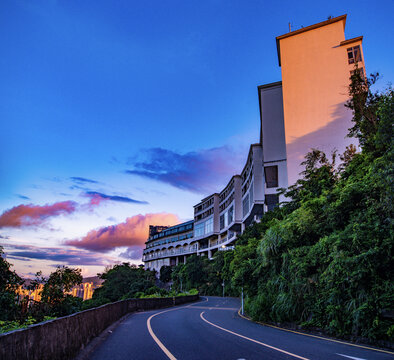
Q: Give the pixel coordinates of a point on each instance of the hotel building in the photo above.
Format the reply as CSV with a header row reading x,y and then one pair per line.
x,y
303,111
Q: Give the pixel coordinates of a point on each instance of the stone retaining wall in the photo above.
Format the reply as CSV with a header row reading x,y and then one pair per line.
x,y
64,337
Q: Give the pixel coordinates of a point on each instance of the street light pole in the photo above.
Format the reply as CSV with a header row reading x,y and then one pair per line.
x,y
242,301
223,287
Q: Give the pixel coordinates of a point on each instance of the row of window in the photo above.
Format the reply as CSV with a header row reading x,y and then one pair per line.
x,y
174,230
204,214
204,205
248,167
226,191
170,240
247,184
226,203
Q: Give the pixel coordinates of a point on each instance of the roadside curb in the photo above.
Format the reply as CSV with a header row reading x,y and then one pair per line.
x,y
314,336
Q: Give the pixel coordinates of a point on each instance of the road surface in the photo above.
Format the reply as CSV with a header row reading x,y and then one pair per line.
x,y
212,329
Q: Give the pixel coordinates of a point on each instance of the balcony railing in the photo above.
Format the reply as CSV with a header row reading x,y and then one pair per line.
x,y
161,254
189,249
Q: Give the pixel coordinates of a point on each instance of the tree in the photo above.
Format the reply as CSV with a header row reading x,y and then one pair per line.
x,y
9,283
165,273
123,281
55,287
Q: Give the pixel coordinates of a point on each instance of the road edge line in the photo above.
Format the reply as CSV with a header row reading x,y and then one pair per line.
x,y
253,340
156,339
314,336
153,335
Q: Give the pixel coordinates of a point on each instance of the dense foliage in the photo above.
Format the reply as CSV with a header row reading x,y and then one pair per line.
x,y
9,283
122,282
324,259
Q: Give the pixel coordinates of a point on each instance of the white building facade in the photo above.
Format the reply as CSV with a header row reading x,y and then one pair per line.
x,y
303,111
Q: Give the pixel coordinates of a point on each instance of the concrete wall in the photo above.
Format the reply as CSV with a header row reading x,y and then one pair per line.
x,y
315,80
64,337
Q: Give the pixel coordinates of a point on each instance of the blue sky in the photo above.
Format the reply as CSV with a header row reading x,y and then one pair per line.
x,y
114,109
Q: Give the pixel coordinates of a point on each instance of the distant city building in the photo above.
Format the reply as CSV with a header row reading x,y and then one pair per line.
x,y
30,294
305,110
84,290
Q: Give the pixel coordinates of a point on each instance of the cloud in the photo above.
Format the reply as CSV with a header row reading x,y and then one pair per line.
x,y
23,197
81,180
132,233
60,255
198,171
133,253
35,215
97,197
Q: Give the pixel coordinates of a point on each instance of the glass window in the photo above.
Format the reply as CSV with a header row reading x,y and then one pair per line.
x,y
209,226
271,176
245,205
271,201
199,229
354,54
230,215
221,221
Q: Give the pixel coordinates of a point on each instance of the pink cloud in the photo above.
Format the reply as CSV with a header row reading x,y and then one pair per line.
x,y
35,215
131,233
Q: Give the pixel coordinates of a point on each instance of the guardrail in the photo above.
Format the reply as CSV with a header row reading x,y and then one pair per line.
x,y
63,338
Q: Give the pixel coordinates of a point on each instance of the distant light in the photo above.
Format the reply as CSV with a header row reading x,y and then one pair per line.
x,y
223,246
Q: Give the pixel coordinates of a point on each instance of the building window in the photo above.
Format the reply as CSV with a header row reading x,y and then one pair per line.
x,y
245,205
271,176
209,226
199,229
230,215
221,221
354,54
272,201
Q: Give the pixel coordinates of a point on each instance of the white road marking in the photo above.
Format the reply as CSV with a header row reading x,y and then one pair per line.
x,y
213,308
351,357
158,342
255,341
155,338
315,336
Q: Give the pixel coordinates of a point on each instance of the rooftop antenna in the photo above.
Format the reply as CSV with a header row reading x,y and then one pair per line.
x,y
289,27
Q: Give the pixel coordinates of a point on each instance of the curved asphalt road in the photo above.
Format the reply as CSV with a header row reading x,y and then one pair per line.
x,y
212,329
